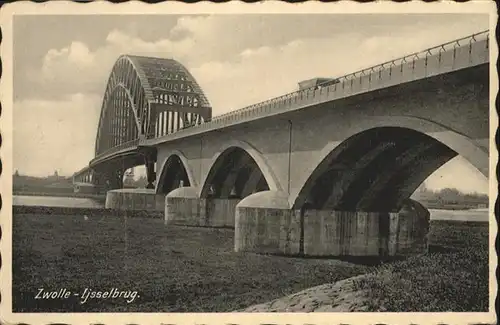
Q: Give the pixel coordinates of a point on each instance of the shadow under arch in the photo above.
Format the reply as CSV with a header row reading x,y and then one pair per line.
x,y
174,170
240,156
377,168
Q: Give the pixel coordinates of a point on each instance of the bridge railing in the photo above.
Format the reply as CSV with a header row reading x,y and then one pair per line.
x,y
343,83
311,91
82,171
82,175
446,57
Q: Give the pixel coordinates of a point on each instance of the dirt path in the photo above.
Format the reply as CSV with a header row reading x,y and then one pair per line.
x,y
332,297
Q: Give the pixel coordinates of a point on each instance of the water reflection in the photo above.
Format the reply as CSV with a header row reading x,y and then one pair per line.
x,y
460,215
52,201
49,201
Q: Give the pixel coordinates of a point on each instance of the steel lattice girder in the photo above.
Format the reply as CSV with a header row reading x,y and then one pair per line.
x,y
148,97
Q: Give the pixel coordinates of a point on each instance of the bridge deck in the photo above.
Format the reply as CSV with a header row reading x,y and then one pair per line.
x,y
443,59
453,56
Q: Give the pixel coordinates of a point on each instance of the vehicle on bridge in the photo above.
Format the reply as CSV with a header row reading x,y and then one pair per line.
x,y
317,83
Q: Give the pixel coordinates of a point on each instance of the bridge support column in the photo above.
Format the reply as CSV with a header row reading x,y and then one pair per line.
x,y
116,180
135,199
265,224
346,233
184,207
150,173
150,155
220,212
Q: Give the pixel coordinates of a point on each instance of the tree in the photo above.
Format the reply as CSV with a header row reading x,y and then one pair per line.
x,y
450,194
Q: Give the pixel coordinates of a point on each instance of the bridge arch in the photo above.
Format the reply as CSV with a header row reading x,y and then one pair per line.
x,y
174,170
381,163
162,94
128,76
122,87
240,167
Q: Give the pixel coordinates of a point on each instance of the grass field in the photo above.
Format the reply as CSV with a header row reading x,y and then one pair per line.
x,y
452,277
176,269
172,268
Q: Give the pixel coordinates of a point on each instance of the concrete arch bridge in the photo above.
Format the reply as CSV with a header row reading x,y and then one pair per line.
x,y
325,170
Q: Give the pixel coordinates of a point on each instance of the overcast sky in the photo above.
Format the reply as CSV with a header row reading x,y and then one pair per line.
x,y
61,66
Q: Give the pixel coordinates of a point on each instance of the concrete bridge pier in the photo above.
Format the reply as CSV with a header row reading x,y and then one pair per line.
x,y
149,155
266,224
183,206
220,212
151,175
136,199
115,179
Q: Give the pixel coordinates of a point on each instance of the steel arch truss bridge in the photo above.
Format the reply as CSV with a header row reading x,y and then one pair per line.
x,y
148,97
145,98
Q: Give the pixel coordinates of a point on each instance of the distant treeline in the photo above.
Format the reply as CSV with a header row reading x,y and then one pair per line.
x,y
56,184
48,184
450,198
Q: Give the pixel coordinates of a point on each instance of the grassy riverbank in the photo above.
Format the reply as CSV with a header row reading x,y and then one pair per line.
x,y
182,269
453,277
187,269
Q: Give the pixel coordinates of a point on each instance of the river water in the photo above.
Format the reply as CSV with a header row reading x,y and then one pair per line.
x,y
459,215
54,201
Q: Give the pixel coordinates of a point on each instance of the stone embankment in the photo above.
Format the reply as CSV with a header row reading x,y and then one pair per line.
x,y
341,296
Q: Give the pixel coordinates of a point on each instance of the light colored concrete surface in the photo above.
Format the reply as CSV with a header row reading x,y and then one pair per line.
x,y
183,211
277,230
456,115
220,212
265,224
184,207
135,199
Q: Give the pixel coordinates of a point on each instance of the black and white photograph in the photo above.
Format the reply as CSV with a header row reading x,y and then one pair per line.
x,y
247,160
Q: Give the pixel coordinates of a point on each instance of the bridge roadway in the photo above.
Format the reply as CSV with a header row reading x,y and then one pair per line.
x,y
327,170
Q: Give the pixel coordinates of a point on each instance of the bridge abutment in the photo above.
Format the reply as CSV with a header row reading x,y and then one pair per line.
x,y
265,224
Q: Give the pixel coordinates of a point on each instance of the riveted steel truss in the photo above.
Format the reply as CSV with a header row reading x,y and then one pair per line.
x,y
147,98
